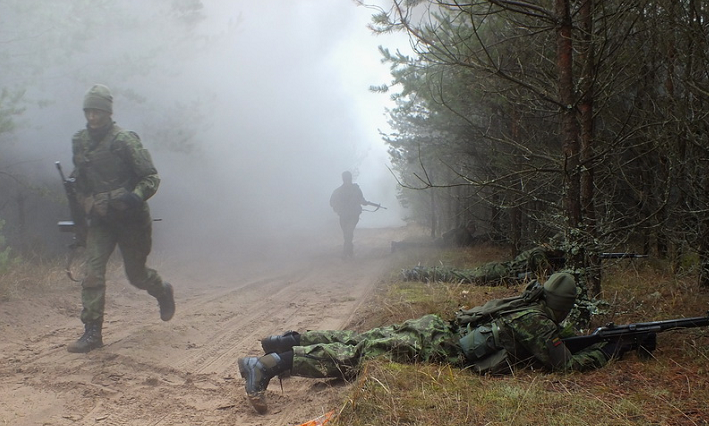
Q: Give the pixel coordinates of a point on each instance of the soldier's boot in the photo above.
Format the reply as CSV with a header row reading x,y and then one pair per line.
x,y
91,339
281,343
167,302
258,372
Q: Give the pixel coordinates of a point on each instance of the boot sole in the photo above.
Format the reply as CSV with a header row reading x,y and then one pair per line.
x,y
85,350
171,312
257,400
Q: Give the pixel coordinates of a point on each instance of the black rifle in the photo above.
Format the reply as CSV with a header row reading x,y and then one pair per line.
x,y
378,206
560,261
622,256
640,336
78,223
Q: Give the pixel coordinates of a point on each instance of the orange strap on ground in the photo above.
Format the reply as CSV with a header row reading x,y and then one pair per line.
x,y
320,421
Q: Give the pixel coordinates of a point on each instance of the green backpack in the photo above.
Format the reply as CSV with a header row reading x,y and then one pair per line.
x,y
480,343
493,308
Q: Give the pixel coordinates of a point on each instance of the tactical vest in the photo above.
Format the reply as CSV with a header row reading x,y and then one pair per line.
x,y
104,173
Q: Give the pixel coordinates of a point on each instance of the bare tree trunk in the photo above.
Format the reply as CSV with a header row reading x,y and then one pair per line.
x,y
586,84
432,194
515,214
569,123
570,133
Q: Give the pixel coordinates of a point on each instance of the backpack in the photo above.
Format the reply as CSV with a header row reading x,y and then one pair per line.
x,y
480,343
493,308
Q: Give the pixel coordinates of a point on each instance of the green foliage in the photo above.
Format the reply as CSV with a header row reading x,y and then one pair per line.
x,y
9,109
77,40
6,260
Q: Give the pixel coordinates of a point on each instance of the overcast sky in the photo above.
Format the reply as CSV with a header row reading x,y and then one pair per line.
x,y
282,108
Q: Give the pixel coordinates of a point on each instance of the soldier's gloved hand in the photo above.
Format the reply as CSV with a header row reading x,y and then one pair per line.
x,y
615,349
131,200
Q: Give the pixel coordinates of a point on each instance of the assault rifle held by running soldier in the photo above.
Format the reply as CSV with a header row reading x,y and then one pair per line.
x,y
641,336
78,223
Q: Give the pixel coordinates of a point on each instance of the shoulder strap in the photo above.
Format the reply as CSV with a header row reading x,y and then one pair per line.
x,y
497,307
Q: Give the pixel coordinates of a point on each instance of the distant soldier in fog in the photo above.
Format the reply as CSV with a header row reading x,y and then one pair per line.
x,y
347,201
114,177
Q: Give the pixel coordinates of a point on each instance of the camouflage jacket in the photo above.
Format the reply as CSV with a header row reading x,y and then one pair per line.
x,y
532,338
107,169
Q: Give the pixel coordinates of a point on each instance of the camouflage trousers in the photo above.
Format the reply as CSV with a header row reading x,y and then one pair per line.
x,y
340,353
492,271
348,223
133,236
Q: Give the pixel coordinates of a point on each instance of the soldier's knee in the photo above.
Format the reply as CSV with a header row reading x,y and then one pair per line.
x,y
93,281
138,276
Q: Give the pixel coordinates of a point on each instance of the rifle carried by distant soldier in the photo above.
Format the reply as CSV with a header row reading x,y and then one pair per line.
x,y
78,223
641,337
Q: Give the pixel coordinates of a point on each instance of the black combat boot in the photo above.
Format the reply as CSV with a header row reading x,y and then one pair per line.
x,y
167,303
258,372
282,343
90,340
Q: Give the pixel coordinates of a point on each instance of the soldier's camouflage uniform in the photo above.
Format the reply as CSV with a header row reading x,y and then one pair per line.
x,y
539,261
105,170
530,337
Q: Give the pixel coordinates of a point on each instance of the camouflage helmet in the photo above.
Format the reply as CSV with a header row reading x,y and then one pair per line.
x,y
560,292
99,97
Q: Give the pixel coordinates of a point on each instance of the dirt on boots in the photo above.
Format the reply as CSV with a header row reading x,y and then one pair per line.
x,y
90,340
258,372
167,303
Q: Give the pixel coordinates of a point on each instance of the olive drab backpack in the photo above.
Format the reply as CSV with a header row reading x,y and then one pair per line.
x,y
481,314
480,342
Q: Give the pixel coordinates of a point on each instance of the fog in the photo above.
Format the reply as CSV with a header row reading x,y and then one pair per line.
x,y
250,120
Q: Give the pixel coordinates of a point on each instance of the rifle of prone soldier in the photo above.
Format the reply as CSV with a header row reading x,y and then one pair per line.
x,y
638,336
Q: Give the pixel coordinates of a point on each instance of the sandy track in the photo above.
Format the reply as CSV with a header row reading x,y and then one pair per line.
x,y
183,372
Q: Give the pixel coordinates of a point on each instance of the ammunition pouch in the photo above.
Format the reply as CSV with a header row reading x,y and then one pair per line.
x,y
482,349
99,204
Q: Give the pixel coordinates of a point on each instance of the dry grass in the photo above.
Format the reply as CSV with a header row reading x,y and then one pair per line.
x,y
25,278
670,389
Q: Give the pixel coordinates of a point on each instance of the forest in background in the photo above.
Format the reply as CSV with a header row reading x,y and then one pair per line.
x,y
536,118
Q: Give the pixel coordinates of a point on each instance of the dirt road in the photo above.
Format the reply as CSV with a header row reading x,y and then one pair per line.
x,y
183,372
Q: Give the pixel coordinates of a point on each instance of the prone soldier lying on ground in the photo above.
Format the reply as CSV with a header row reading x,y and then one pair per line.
x,y
538,261
518,332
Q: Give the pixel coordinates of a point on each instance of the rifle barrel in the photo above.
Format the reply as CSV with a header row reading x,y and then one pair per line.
x,y
612,331
622,256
